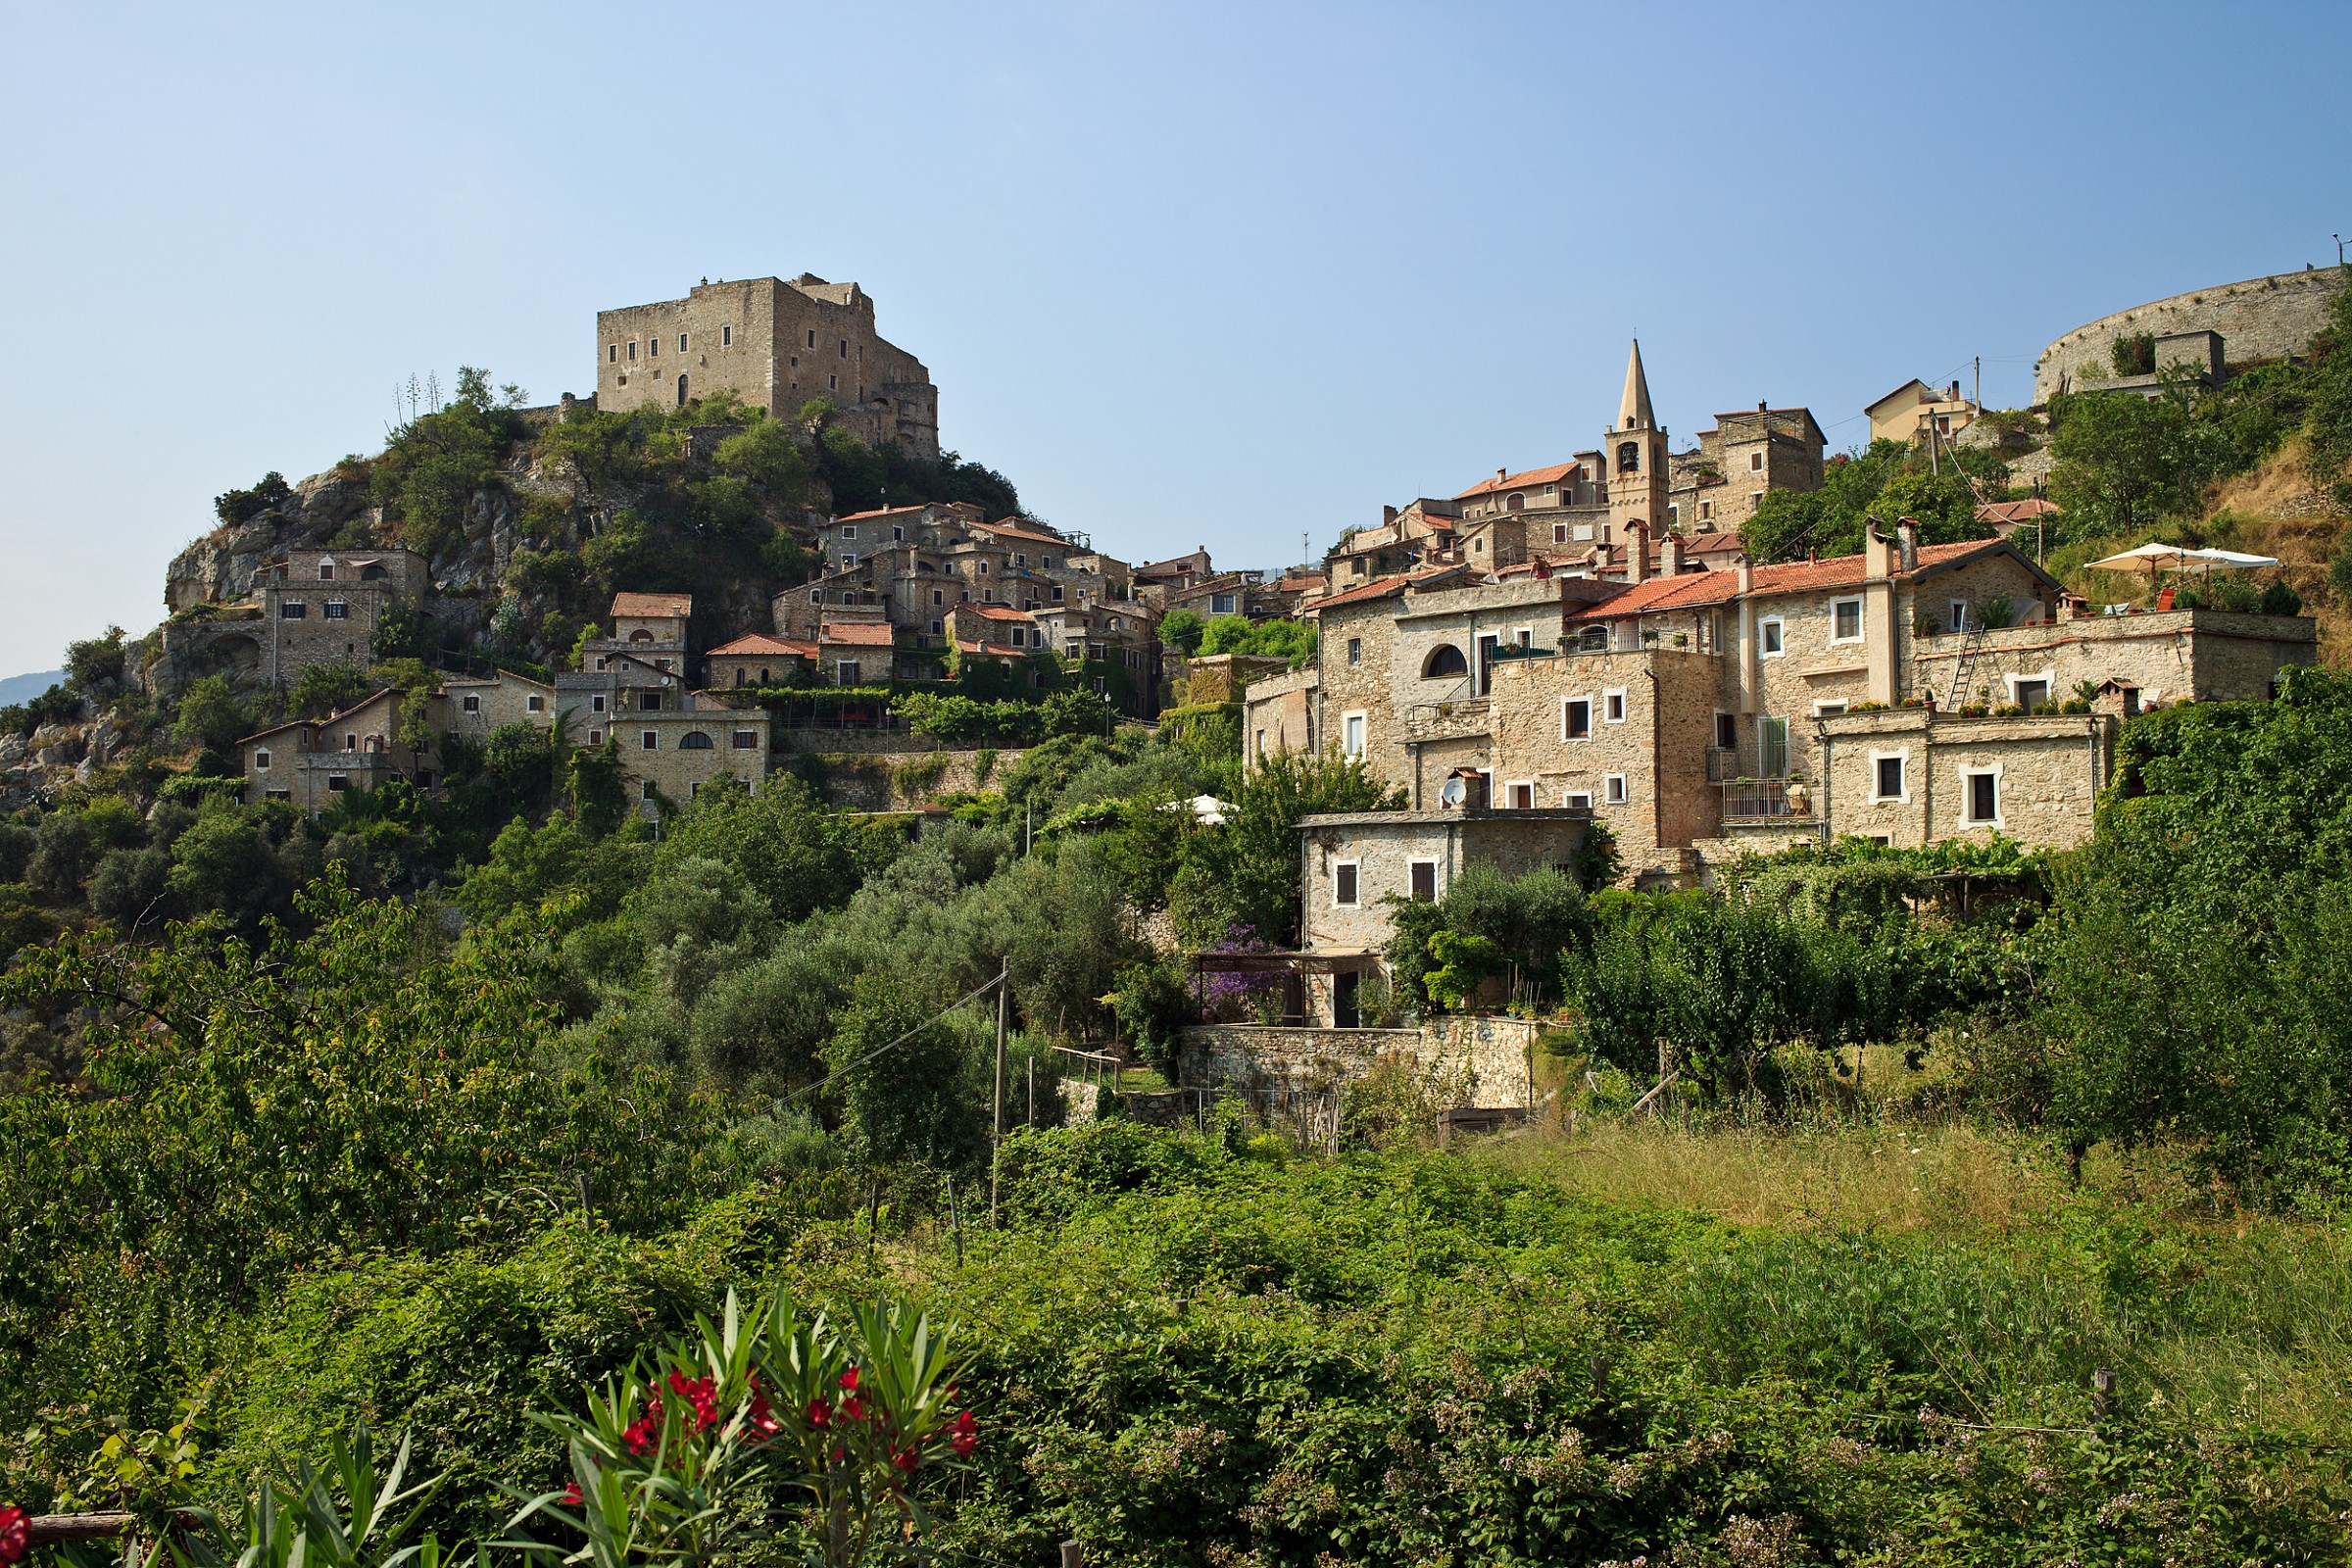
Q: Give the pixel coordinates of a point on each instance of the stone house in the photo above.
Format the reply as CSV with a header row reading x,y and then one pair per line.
x,y
758,660
477,707
1156,579
322,607
774,343
856,652
309,762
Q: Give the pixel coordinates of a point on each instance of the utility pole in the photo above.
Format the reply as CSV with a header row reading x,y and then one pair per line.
x,y
996,1149
1978,362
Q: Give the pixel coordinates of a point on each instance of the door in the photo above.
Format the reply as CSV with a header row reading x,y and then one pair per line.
x,y
681,391
1343,1015
1485,663
1772,747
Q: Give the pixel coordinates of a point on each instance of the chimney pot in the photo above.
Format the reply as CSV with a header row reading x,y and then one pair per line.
x,y
1906,534
1763,404
1388,514
1637,552
1747,575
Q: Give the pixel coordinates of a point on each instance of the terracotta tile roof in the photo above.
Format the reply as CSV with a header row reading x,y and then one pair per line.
x,y
1697,588
1172,566
1377,588
759,642
855,633
650,604
322,723
1006,530
992,650
1520,482
878,512
996,612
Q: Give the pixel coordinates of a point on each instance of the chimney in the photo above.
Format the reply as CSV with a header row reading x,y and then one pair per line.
x,y
1748,577
1763,405
1670,556
1877,551
1388,514
1906,534
1637,552
1501,474
1955,396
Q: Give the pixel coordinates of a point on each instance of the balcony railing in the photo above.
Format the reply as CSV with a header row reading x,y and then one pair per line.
x,y
1767,798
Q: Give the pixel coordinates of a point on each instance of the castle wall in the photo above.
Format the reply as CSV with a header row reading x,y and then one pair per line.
x,y
2259,320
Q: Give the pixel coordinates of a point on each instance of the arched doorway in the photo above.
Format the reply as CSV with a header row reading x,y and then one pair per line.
x,y
681,391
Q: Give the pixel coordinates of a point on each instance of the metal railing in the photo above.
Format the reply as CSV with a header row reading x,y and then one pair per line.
x,y
1767,798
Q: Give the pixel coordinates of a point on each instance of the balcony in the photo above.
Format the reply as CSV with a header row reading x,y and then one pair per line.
x,y
1767,799
1448,720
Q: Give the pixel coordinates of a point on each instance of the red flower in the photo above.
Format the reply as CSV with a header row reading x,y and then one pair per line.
x,y
764,1420
852,1408
572,1496
848,1380
905,1459
644,1432
702,1394
820,1414
964,1435
15,1537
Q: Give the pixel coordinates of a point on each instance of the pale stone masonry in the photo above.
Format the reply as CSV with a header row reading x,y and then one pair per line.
x,y
322,607
775,343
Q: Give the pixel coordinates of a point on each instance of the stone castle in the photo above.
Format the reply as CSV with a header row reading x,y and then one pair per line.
x,y
773,342
2258,322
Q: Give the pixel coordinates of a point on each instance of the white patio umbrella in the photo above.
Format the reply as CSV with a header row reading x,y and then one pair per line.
x,y
2148,559
2231,560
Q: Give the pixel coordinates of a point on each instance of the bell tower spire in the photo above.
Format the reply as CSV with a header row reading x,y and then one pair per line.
x,y
1633,410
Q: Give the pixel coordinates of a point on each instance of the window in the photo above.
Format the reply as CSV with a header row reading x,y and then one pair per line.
x,y
849,562
1756,462
1726,732
1613,708
1756,498
845,671
633,348
1768,636
652,346
337,609
1888,772
1959,609
1707,511
291,610
1018,637
1577,800
1520,797
535,703
261,760
1057,593
472,703
1559,533
596,737
845,348
646,791
337,783
939,628
650,740
596,705
817,596
1576,719
984,568
848,530
1220,603
1343,883
832,383
693,740
650,701
898,535
1981,796
813,337
1352,727
1355,650
1772,747
1612,789
326,572
1424,875
681,342
1827,705
939,596
1846,620
1943,424
1020,558
746,740
1444,660
612,354
726,337
2028,694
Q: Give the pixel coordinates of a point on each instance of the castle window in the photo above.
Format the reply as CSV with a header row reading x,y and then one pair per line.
x,y
647,790
652,346
291,610
832,383
845,348
726,337
633,348
681,342
336,609
813,337
612,354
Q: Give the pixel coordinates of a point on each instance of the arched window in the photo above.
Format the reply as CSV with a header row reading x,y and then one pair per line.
x,y
1442,661
1517,503
641,635
1629,457
693,740
681,391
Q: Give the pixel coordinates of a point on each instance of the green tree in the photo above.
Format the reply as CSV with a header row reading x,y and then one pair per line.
x,y
212,714
323,689
2121,463
904,1083
94,668
797,856
1246,873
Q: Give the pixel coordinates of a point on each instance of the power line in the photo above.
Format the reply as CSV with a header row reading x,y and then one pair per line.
x,y
879,1051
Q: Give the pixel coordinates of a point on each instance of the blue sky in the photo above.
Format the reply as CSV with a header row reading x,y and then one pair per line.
x,y
1198,275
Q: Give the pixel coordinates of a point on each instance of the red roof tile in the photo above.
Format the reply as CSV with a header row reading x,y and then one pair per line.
x,y
760,642
996,612
1377,588
2000,512
1519,481
878,512
653,605
1005,530
1695,588
855,633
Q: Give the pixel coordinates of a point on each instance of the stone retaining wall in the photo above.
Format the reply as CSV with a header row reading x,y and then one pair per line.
x,y
899,780
1481,1061
2259,320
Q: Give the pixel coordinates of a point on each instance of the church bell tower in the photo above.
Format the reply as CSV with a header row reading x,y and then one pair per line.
x,y
1634,455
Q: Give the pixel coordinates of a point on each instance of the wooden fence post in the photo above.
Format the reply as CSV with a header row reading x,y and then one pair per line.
x,y
2102,1383
1072,1555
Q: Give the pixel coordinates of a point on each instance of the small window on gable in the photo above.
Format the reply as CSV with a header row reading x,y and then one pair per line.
x,y
848,530
326,572
260,758
535,703
472,703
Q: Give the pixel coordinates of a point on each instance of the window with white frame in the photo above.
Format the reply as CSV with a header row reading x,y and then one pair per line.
x,y
648,740
1887,782
596,705
1519,796
1576,800
1756,462
1352,727
2029,692
1424,881
472,703
1846,620
535,703
848,530
1612,789
1981,796
1612,707
1344,888
1824,707
1576,719
845,671
1959,609
1768,636
849,561
261,760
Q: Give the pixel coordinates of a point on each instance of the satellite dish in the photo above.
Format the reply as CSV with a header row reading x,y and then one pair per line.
x,y
1453,793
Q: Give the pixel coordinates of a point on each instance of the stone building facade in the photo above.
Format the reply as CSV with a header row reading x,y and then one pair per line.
x,y
313,762
774,342
632,694
322,607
